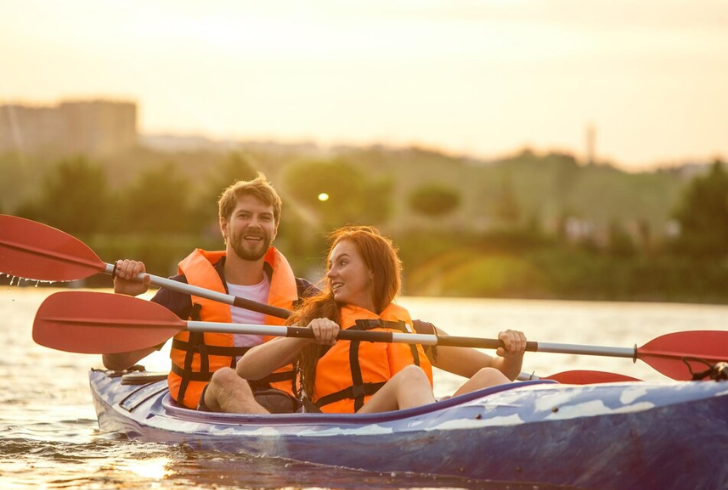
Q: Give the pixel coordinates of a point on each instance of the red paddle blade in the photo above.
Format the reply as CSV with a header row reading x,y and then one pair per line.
x,y
102,323
32,250
586,377
672,353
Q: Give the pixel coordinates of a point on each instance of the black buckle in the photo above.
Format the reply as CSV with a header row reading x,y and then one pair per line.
x,y
358,391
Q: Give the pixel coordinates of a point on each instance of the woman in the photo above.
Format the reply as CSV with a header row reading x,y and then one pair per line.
x,y
363,279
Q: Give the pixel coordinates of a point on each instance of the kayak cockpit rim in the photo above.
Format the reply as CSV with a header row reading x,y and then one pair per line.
x,y
172,409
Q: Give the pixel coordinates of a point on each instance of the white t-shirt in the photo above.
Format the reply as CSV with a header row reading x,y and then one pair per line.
x,y
259,293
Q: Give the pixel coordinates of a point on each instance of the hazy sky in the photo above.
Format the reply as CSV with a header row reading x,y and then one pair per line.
x,y
479,77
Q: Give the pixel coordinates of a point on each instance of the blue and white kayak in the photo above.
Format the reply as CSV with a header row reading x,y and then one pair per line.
x,y
607,436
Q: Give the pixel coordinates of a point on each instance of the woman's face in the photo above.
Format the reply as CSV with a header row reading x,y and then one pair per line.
x,y
349,277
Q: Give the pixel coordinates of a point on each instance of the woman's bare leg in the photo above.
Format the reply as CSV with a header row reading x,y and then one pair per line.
x,y
408,388
483,379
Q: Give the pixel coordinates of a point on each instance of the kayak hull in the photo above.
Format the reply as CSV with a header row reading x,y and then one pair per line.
x,y
607,436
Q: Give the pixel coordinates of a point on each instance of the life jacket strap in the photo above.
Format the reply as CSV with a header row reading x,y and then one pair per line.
x,y
195,339
212,350
206,376
370,324
188,375
353,392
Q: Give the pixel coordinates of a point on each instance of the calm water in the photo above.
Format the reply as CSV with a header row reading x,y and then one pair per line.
x,y
49,437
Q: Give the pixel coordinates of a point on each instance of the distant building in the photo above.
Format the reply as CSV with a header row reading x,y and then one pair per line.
x,y
591,142
96,127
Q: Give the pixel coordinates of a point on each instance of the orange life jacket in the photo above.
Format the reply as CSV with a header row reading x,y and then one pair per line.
x,y
196,355
350,372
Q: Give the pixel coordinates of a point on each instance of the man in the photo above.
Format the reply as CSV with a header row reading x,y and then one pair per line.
x,y
203,364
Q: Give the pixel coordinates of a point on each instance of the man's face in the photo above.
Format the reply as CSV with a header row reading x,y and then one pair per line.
x,y
251,229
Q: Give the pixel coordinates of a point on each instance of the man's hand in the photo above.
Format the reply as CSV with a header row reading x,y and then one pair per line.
x,y
126,270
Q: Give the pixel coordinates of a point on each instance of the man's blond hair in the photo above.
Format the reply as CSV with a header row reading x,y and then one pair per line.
x,y
259,188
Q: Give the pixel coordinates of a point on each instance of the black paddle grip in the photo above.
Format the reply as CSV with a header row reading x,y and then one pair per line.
x,y
365,336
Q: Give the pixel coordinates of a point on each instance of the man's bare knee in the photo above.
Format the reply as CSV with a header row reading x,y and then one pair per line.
x,y
228,392
223,385
226,377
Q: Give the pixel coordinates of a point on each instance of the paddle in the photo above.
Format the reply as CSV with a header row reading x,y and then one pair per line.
x,y
32,250
101,323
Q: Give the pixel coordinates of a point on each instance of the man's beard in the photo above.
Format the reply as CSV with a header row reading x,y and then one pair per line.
x,y
247,253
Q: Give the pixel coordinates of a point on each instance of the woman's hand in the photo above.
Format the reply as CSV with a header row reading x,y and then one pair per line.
x,y
325,330
515,344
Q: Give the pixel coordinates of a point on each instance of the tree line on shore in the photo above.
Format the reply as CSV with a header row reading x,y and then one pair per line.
x,y
473,235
